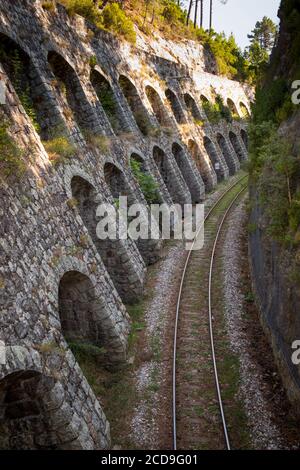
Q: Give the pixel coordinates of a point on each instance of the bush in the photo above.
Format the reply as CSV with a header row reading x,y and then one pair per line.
x,y
59,149
86,8
116,21
147,183
11,162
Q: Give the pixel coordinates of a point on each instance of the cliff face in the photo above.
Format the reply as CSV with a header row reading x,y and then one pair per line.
x,y
274,220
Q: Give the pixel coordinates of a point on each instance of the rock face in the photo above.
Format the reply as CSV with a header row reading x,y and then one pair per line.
x,y
58,282
275,266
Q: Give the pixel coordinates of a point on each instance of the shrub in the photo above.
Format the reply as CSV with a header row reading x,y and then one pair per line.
x,y
59,149
116,21
147,183
11,162
86,8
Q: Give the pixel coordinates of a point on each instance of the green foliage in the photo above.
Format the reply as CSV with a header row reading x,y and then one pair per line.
x,y
172,12
275,169
147,184
217,111
89,9
93,61
18,75
59,149
83,351
11,162
116,21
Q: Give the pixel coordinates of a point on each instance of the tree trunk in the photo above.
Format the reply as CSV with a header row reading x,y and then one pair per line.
x,y
189,12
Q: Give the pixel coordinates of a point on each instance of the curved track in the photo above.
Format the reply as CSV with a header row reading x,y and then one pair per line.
x,y
235,190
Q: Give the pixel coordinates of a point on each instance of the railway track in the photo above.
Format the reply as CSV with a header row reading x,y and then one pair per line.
x,y
197,399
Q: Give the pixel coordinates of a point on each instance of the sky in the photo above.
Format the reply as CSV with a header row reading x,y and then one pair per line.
x,y
239,16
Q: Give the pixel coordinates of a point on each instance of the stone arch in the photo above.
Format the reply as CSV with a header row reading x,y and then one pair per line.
x,y
167,174
184,166
28,85
69,87
135,103
244,112
236,145
192,107
232,107
113,253
158,107
227,154
108,101
244,136
117,182
119,186
83,315
29,417
214,158
203,166
175,106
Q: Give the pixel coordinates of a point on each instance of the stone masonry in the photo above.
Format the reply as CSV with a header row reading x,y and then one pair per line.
x,y
58,282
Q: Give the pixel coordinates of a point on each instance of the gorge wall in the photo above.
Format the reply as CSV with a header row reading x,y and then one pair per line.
x,y
274,237
58,282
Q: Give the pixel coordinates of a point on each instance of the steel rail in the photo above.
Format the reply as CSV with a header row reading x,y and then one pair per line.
x,y
174,397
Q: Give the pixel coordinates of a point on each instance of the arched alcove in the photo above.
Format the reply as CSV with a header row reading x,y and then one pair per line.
x,y
183,164
192,108
113,254
29,86
214,158
244,111
226,154
167,173
175,106
236,145
28,420
108,101
202,164
68,85
232,108
135,103
158,107
146,181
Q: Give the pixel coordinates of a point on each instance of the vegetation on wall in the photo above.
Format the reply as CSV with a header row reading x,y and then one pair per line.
x,y
11,162
274,157
147,183
18,75
217,111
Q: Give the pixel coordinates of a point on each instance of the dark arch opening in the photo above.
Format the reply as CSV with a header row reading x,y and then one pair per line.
x,y
117,183
176,106
192,108
232,108
28,85
108,101
70,89
244,136
203,166
26,420
113,254
244,111
135,103
236,145
167,173
79,310
213,155
226,153
158,107
186,171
